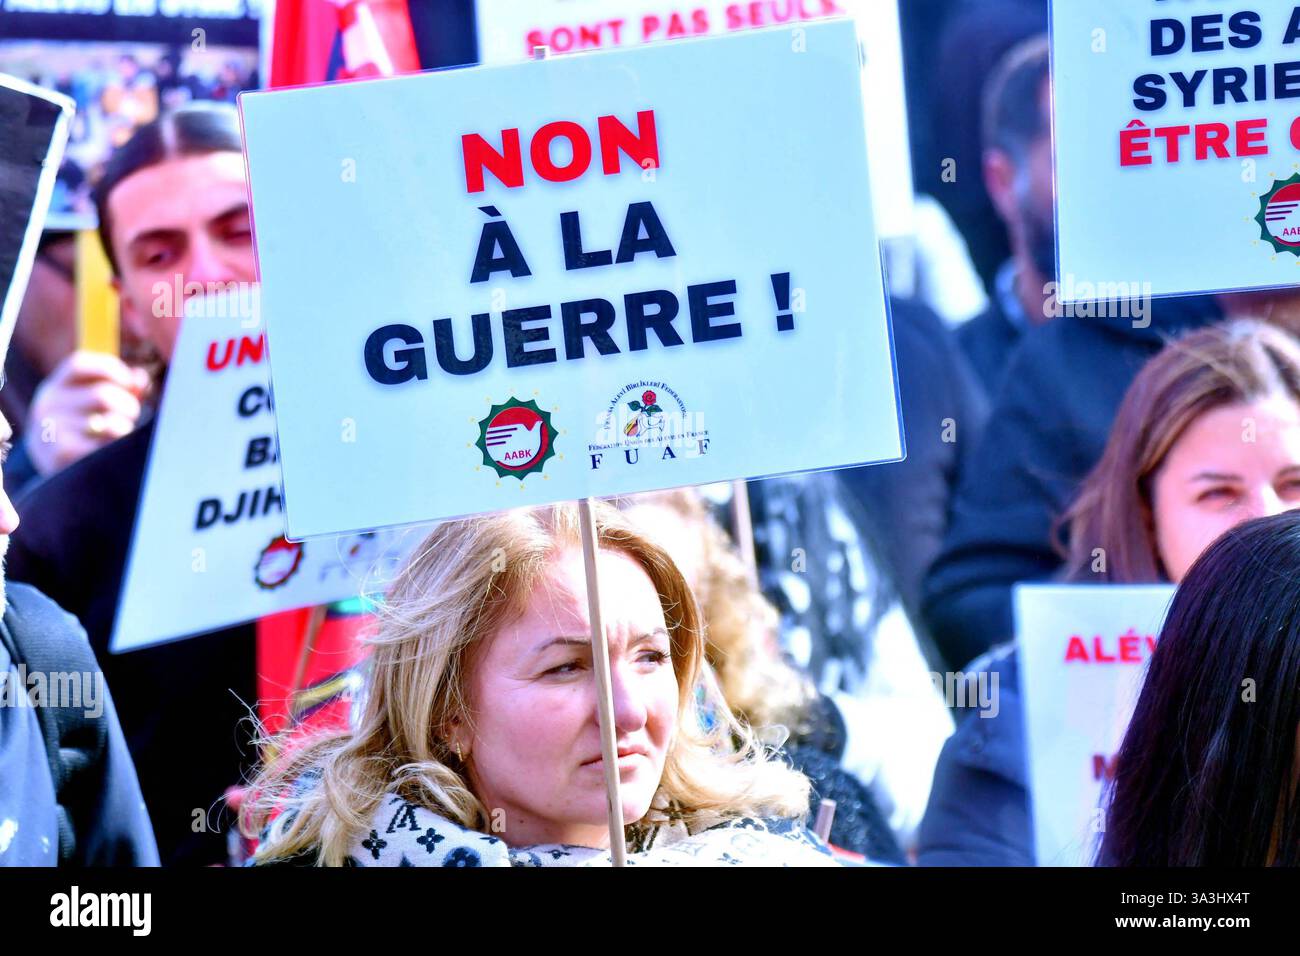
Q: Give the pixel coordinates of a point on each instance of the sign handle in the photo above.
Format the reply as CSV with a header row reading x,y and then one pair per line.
x,y
311,631
604,699
600,662
744,527
825,819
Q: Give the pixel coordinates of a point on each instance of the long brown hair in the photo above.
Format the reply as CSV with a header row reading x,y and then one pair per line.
x,y
1110,527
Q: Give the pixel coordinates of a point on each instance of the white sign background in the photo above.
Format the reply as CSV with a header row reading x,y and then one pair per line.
x,y
1073,709
750,182
182,581
1185,227
506,26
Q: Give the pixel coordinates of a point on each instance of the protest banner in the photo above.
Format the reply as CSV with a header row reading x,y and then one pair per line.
x,y
34,126
508,31
209,549
1177,142
1083,651
506,286
519,329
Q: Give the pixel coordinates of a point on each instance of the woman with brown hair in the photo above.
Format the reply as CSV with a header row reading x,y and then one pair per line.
x,y
478,742
1207,437
1225,396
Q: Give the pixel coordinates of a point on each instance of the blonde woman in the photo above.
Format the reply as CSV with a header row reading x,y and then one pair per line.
x,y
478,743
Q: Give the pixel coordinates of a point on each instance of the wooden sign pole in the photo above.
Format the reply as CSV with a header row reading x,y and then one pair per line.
x,y
604,697
743,525
600,663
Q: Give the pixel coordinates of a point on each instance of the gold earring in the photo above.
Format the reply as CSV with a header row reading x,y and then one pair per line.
x,y
459,755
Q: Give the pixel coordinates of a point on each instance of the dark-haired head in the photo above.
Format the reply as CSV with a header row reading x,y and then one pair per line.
x,y
1207,772
1016,112
190,130
1017,133
174,221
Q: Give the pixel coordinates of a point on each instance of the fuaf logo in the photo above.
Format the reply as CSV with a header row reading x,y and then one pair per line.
x,y
1279,216
647,418
278,562
516,438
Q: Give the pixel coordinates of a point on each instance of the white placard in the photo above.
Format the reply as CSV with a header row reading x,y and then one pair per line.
x,y
209,549
579,277
508,30
1177,169
1083,651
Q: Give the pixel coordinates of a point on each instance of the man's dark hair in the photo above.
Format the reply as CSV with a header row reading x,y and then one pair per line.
x,y
190,130
1014,118
1205,774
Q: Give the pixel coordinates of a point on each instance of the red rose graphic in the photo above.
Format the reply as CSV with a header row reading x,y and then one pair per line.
x,y
648,397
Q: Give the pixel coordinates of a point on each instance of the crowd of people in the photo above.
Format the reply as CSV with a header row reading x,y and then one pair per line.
x,y
745,691
117,88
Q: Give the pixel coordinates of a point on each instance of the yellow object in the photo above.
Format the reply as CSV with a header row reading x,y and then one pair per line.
x,y
97,305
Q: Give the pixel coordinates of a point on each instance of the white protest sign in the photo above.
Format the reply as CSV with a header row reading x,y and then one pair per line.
x,y
508,30
579,277
1083,651
209,549
1177,134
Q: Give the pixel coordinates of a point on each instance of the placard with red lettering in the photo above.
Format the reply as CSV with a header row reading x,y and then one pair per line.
x,y
209,548
509,30
1082,652
579,277
1177,133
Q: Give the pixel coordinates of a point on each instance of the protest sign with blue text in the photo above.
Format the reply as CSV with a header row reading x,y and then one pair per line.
x,y
209,548
1083,652
1177,134
584,276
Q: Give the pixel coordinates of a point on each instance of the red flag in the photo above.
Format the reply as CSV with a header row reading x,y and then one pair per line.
x,y
377,40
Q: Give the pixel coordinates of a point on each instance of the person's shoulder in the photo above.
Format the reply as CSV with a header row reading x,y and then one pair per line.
x,y
989,734
920,336
31,607
982,324
1078,341
48,637
118,463
911,316
103,486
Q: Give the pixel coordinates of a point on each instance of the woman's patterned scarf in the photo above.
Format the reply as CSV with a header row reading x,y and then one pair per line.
x,y
404,834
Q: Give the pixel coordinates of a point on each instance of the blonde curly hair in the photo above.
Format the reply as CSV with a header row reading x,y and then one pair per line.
x,y
741,625
467,580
